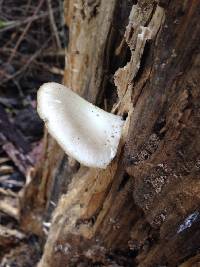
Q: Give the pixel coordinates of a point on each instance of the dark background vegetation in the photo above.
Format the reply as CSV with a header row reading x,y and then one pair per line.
x,y
31,53
32,42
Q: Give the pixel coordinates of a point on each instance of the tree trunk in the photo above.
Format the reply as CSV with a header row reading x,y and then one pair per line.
x,y
139,59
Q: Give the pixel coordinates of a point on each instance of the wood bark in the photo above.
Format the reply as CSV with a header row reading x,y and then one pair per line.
x,y
139,59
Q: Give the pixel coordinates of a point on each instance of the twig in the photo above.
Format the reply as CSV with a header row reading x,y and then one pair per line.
x,y
7,192
54,70
10,208
10,235
24,32
5,169
53,24
15,24
4,178
12,183
4,160
21,161
26,65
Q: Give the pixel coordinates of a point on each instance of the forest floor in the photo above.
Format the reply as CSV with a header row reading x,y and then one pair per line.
x,y
32,41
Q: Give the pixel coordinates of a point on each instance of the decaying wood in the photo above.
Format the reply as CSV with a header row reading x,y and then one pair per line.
x,y
143,210
192,262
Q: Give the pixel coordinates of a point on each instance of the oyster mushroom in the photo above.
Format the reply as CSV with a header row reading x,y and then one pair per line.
x,y
85,132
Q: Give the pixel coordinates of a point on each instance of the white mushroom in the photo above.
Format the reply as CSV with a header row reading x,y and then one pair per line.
x,y
85,132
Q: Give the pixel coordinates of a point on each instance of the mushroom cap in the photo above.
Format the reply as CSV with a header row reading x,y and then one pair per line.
x,y
85,132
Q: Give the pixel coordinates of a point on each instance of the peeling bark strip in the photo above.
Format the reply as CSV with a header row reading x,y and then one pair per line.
x,y
143,210
136,37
